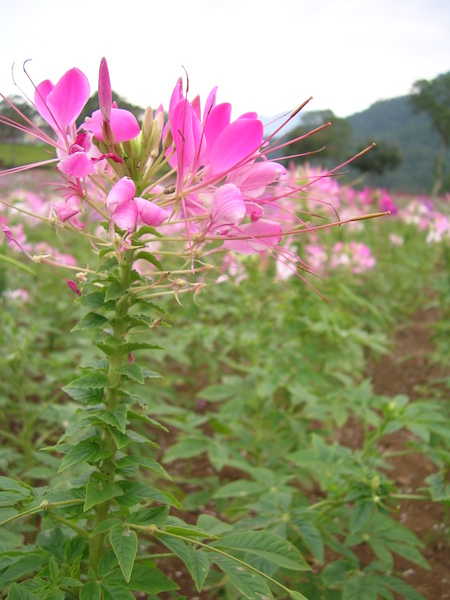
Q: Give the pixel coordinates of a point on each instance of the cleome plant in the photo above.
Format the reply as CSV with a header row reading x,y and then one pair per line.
x,y
229,464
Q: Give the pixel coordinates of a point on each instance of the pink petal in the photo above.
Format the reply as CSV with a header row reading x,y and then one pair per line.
x,y
123,124
40,100
104,90
125,216
65,211
228,207
177,95
123,191
77,165
235,145
61,105
263,235
187,135
150,213
253,179
210,103
216,122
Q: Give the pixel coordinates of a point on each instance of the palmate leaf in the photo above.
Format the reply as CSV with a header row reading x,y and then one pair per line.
x,y
124,542
195,560
146,579
267,545
250,584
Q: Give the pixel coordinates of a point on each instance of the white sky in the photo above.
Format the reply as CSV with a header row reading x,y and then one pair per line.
x,y
266,56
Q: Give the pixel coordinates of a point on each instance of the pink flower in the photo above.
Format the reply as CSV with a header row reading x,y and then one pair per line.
x,y
125,208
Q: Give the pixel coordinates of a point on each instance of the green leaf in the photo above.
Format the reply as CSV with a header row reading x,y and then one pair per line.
x,y
97,491
217,392
132,371
213,525
116,418
147,462
22,566
296,595
267,545
17,592
114,291
124,542
149,258
146,229
335,573
250,584
91,380
92,396
105,526
6,483
85,451
240,489
360,587
138,417
136,492
361,514
52,541
150,516
91,591
196,561
133,346
95,300
90,321
116,592
187,448
409,552
439,490
144,578
310,535
401,587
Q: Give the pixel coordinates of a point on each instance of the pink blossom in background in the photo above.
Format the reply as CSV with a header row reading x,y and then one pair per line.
x,y
396,240
386,204
353,255
316,256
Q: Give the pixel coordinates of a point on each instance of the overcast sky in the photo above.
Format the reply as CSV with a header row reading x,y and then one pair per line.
x,y
265,55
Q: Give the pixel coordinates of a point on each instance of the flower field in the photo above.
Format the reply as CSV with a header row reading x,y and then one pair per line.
x,y
221,377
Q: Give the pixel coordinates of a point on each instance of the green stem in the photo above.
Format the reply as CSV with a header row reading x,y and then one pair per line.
x,y
112,400
45,505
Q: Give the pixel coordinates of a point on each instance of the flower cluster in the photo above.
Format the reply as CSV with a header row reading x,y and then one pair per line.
x,y
195,176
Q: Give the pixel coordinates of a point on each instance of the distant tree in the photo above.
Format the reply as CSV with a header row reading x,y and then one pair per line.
x,y
383,157
433,98
335,139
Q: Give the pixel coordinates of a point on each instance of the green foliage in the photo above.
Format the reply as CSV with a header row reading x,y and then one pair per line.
x,y
260,459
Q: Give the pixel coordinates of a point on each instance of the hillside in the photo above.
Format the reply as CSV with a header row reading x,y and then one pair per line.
x,y
394,122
